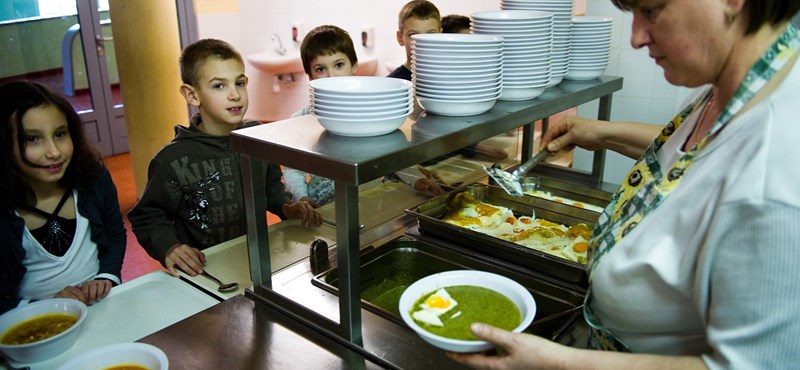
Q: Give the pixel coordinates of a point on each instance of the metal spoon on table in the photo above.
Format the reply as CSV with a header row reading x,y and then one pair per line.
x,y
223,287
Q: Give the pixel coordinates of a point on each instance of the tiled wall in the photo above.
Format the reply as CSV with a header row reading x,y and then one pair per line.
x,y
646,96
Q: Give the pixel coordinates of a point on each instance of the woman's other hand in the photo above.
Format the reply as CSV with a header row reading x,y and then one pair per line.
x,y
571,131
188,259
519,351
72,292
303,211
95,290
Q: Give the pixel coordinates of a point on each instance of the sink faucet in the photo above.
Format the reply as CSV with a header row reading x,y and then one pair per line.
x,y
280,49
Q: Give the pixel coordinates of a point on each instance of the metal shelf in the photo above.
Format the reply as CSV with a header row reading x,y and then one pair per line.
x,y
303,144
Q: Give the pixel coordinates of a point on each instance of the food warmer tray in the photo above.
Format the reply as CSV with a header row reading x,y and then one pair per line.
x,y
386,272
430,214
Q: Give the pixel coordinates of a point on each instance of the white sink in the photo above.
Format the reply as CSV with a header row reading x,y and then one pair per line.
x,y
272,62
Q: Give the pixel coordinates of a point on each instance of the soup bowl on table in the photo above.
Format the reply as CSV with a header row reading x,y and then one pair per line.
x,y
41,330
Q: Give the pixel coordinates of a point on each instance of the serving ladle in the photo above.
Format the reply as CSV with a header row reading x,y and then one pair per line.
x,y
510,181
223,287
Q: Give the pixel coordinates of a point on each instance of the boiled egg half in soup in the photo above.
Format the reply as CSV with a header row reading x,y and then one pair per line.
x,y
433,307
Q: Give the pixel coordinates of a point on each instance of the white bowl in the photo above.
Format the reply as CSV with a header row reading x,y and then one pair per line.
x,y
362,127
455,39
494,94
466,72
321,112
506,16
456,108
511,93
494,82
588,74
360,85
434,79
460,91
480,28
501,284
141,354
47,348
376,108
343,99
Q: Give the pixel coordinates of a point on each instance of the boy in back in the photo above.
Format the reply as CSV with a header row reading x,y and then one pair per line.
x,y
326,51
193,198
417,16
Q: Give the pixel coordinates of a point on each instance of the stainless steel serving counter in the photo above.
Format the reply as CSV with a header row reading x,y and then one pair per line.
x,y
303,144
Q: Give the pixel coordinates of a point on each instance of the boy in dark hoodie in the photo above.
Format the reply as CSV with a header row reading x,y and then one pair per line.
x,y
193,198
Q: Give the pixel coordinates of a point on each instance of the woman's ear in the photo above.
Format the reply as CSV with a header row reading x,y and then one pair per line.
x,y
190,94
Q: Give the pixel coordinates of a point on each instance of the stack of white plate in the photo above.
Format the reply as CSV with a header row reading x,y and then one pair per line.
x,y
527,49
361,105
457,74
590,52
562,30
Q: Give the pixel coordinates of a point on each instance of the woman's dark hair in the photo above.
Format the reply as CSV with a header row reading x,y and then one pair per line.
x,y
16,99
758,12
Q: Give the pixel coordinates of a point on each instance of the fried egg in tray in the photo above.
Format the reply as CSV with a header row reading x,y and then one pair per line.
x,y
506,241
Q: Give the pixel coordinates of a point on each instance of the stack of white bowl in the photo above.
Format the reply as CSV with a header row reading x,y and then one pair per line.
x,y
527,49
361,105
590,52
562,30
457,74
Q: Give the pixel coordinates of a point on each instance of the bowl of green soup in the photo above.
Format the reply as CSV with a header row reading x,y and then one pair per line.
x,y
441,307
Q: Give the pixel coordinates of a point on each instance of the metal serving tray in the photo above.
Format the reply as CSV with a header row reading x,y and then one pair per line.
x,y
570,191
430,214
387,270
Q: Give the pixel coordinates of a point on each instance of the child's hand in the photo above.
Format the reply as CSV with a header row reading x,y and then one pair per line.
x,y
428,186
72,293
304,212
95,290
188,259
311,202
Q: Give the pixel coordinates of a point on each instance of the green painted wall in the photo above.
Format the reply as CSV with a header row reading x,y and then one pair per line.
x,y
35,45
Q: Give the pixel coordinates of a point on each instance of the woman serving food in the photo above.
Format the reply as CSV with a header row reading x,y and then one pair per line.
x,y
690,263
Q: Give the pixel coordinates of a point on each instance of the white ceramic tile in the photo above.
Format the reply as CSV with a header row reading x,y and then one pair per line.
x,y
624,108
662,89
638,71
662,111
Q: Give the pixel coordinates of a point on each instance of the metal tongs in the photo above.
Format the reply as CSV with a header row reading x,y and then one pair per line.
x,y
510,181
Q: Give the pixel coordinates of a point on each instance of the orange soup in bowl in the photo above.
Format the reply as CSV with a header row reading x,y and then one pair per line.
x,y
38,328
